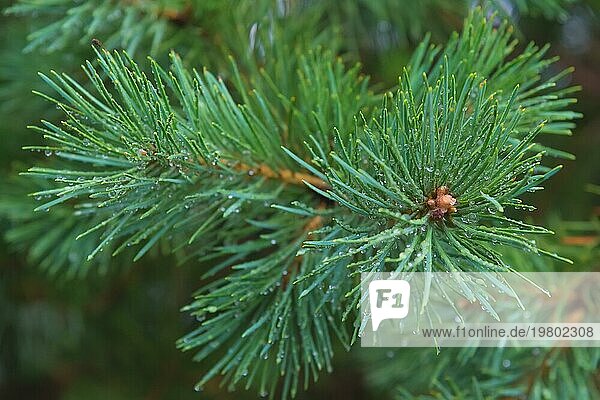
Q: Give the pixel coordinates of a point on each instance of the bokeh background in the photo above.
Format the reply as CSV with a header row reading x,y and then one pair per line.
x,y
112,333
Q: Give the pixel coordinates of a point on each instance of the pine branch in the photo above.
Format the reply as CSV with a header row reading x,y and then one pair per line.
x,y
488,373
427,185
49,240
148,24
143,157
211,170
149,169
495,374
133,23
489,51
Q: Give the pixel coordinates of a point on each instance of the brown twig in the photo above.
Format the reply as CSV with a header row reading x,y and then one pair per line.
x,y
285,175
178,16
580,240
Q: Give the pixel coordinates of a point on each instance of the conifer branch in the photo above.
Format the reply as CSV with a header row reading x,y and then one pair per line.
x,y
424,183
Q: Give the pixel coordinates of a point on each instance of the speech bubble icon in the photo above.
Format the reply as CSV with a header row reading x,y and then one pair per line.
x,y
389,300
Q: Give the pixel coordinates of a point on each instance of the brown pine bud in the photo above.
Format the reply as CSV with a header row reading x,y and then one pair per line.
x,y
446,201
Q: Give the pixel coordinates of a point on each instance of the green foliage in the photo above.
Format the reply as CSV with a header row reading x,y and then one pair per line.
x,y
144,169
286,173
140,160
490,374
446,130
469,373
128,25
490,52
158,25
51,242
173,157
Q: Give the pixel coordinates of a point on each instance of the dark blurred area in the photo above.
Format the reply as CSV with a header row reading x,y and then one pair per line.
x,y
112,335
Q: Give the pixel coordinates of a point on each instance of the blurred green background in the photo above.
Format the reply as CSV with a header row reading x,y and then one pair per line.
x,y
111,334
